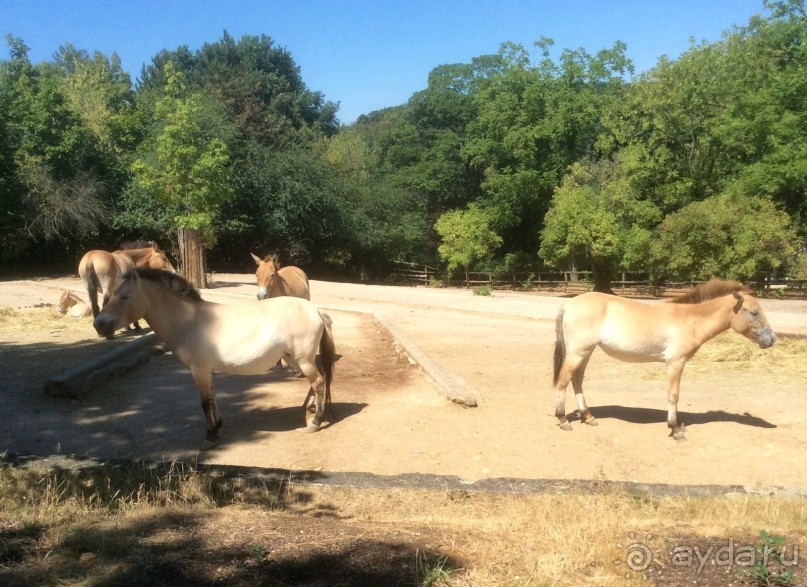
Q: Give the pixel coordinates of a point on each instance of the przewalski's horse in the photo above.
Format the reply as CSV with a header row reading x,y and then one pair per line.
x,y
275,281
72,305
246,338
99,270
637,332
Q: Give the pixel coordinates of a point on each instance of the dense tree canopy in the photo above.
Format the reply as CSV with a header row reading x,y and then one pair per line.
x,y
559,159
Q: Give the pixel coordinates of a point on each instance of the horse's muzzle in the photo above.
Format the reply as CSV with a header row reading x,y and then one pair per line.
x,y
104,326
766,338
262,294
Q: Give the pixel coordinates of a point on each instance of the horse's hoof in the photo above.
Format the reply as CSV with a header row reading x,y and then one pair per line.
x,y
679,434
208,444
312,428
565,426
591,421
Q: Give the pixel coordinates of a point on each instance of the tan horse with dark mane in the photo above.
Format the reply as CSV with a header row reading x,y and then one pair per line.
x,y
99,270
637,332
246,338
275,281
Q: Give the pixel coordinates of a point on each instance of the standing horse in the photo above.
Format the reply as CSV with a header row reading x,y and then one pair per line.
x,y
247,338
99,270
637,332
73,306
275,281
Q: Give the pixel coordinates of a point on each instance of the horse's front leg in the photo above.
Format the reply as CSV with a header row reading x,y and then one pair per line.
x,y
674,370
204,383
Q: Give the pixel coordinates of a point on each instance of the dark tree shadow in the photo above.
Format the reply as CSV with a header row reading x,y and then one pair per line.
x,y
174,546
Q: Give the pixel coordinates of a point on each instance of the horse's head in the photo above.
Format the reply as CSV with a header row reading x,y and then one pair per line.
x,y
266,273
750,321
66,302
127,305
159,260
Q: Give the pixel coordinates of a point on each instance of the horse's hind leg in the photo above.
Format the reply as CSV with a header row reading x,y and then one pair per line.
x,y
317,380
92,293
204,383
573,368
577,385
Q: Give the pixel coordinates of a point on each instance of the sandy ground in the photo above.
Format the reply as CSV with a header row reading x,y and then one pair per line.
x,y
743,420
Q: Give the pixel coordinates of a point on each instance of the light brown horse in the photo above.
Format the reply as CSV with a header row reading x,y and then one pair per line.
x,y
637,332
275,281
246,338
99,270
72,305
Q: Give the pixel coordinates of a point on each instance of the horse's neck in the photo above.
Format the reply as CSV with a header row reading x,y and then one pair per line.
x,y
123,260
139,257
714,316
169,315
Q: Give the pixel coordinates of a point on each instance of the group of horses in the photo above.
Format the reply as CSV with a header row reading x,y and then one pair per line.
x,y
250,338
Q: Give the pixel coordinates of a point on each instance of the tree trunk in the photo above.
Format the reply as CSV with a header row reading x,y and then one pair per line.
x,y
602,279
192,258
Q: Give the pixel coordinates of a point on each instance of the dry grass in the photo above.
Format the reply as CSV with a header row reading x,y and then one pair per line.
x,y
786,356
41,319
104,525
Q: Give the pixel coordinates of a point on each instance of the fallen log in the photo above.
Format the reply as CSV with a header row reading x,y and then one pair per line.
x,y
79,381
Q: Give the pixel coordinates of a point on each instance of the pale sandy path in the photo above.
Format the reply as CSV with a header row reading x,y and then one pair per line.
x,y
744,424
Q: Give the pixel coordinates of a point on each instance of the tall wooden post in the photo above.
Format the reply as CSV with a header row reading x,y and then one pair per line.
x,y
192,257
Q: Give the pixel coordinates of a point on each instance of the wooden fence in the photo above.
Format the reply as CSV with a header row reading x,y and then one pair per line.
x,y
769,285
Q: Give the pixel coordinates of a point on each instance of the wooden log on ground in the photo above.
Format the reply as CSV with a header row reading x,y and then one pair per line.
x,y
79,381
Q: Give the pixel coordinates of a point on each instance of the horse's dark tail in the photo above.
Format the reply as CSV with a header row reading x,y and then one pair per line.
x,y
560,348
327,353
93,285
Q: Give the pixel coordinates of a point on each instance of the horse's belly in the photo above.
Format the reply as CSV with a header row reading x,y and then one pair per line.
x,y
633,354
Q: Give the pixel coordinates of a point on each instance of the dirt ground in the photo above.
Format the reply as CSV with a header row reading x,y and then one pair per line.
x,y
743,419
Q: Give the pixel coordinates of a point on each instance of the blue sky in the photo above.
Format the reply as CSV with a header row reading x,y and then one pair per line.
x,y
370,54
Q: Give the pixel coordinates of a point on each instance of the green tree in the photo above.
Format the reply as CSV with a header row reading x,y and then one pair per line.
x,y
536,119
187,170
52,171
597,220
726,236
467,238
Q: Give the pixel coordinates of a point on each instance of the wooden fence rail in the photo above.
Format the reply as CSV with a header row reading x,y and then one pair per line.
x,y
575,282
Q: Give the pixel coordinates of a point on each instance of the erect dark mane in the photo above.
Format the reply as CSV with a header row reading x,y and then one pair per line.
x,y
714,288
168,281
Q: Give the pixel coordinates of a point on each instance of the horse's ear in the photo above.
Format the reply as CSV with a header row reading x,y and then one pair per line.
x,y
256,258
740,300
275,260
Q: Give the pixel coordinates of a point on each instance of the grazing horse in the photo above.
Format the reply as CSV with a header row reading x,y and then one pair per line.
x,y
73,306
99,270
637,332
275,281
246,338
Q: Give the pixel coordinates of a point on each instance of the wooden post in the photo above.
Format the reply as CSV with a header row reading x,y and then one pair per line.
x,y
192,257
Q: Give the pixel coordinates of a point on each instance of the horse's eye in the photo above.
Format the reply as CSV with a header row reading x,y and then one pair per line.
x,y
754,313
